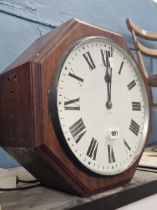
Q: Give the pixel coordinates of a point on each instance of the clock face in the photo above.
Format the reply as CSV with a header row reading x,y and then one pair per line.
x,y
102,106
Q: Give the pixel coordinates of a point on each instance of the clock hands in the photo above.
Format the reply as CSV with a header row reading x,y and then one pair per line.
x,y
108,79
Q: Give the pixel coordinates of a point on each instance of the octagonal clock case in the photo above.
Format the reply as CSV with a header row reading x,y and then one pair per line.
x,y
75,109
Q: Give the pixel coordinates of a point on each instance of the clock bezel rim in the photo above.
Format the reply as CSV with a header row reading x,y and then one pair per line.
x,y
53,105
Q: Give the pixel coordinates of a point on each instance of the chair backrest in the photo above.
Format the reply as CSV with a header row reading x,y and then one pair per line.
x,y
142,50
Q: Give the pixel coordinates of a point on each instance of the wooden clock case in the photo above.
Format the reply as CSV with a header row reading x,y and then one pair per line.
x,y
26,129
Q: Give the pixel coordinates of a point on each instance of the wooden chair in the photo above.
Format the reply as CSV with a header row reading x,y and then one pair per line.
x,y
142,50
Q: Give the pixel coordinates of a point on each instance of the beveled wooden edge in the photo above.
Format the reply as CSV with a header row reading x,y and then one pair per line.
x,y
146,50
149,35
67,27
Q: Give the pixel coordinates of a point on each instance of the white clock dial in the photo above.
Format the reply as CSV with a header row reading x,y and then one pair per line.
x,y
102,106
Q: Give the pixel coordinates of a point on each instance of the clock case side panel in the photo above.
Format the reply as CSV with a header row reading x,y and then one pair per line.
x,y
27,150
16,106
21,124
49,63
27,125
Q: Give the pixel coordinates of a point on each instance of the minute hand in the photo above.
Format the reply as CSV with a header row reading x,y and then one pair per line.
x,y
108,79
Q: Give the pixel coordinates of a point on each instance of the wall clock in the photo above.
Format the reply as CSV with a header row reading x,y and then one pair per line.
x,y
75,109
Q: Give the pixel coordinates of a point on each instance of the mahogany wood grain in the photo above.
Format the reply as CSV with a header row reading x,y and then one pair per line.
x,y
35,144
16,113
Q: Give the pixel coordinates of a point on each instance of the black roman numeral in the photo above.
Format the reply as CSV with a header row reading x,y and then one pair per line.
x,y
136,106
76,77
93,148
89,60
131,84
106,54
77,130
121,66
111,157
72,104
126,145
103,52
134,127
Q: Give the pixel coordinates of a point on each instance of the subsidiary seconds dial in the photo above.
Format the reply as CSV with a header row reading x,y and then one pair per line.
x,y
102,106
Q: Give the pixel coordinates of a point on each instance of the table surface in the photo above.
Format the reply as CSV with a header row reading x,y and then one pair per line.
x,y
144,204
142,185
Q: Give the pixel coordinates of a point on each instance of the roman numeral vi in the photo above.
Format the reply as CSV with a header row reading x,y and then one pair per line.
x,y
111,157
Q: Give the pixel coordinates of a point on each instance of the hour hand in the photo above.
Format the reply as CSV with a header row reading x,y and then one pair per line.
x,y
107,76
